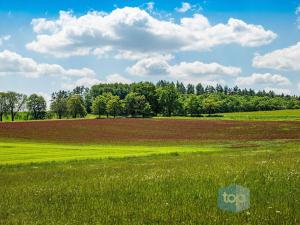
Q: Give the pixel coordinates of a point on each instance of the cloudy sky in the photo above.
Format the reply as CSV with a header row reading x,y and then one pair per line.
x,y
50,45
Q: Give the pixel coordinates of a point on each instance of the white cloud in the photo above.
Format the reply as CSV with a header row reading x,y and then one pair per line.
x,y
266,78
117,78
188,72
88,82
297,10
278,91
12,63
282,59
150,66
85,81
185,6
298,86
4,38
185,69
136,31
150,6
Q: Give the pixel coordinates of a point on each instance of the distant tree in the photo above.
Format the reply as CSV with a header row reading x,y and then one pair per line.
x,y
168,98
36,106
75,106
211,105
59,103
194,105
80,90
219,88
118,89
99,106
210,89
114,106
3,105
199,89
135,104
190,89
15,102
146,110
148,90
180,87
162,83
86,96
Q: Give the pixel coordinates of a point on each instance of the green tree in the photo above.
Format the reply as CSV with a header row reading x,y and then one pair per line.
x,y
15,102
3,105
59,103
199,89
211,105
135,104
36,106
190,89
168,98
76,106
146,110
149,91
180,88
99,106
194,105
114,106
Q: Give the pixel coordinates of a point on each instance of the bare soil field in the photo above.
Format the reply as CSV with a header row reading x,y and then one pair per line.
x,y
147,130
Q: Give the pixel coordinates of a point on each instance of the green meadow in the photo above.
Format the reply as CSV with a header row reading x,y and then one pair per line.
x,y
275,115
138,183
175,188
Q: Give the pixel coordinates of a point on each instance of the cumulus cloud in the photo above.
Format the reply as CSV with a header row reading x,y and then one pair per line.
x,y
88,82
281,59
185,6
192,72
278,91
4,38
150,66
150,6
12,63
136,31
117,78
265,78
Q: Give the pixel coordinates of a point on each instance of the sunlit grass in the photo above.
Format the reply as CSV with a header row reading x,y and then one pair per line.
x,y
161,189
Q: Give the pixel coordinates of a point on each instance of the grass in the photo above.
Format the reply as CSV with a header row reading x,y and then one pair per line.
x,y
152,181
26,152
160,189
275,115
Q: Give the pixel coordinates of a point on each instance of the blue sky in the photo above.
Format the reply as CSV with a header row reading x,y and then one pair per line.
x,y
50,45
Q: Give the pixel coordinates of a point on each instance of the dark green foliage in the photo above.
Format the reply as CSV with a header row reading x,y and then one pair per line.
x,y
59,103
3,105
168,97
36,106
115,106
15,102
190,89
147,99
135,104
99,106
75,106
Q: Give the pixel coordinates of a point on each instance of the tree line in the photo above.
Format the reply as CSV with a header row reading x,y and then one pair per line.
x,y
144,99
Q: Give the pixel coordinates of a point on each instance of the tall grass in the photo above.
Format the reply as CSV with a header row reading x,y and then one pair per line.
x,y
164,189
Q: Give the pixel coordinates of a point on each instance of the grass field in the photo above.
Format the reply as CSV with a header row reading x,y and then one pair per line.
x,y
275,115
148,171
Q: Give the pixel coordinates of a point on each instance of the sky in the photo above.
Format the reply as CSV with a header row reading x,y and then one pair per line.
x,y
48,45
